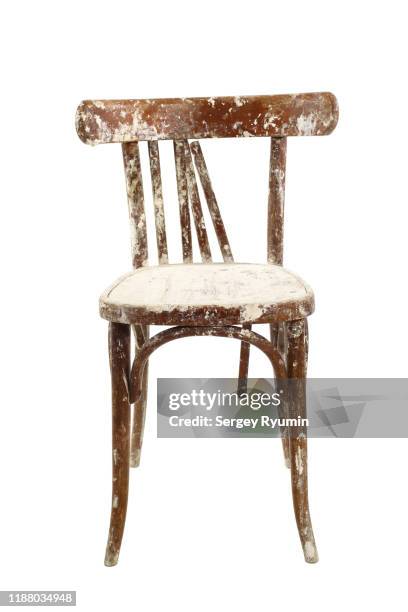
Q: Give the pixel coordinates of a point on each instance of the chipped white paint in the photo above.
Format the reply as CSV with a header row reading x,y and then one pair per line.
x,y
125,382
158,202
306,124
103,121
295,329
139,126
111,558
251,312
195,205
182,192
310,552
247,333
212,203
276,200
270,120
137,216
135,457
279,176
299,460
252,287
252,290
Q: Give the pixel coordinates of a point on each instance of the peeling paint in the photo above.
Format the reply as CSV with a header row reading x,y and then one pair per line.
x,y
204,299
250,290
103,121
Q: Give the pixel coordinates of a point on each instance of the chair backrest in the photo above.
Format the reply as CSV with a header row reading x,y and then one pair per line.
x,y
180,119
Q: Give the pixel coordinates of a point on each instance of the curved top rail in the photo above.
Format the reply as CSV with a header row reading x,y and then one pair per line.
x,y
305,114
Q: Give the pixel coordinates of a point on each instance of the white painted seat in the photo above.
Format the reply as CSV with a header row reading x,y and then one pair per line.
x,y
175,294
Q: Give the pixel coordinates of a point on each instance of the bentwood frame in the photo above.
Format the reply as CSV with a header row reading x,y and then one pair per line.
x,y
288,300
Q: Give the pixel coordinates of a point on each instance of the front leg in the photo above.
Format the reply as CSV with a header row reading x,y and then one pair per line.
x,y
119,356
139,409
279,341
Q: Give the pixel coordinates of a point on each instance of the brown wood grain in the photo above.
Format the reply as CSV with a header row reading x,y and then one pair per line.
x,y
303,114
212,203
296,369
181,119
276,200
160,222
182,190
137,216
119,356
196,208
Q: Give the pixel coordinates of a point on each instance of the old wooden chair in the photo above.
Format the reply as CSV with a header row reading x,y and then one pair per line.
x,y
203,299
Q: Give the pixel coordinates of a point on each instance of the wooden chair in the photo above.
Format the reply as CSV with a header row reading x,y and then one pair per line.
x,y
203,299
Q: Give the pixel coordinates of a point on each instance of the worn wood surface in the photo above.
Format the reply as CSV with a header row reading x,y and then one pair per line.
x,y
296,369
159,218
204,294
208,307
305,114
244,363
182,190
141,333
119,356
212,202
196,208
137,216
276,200
277,333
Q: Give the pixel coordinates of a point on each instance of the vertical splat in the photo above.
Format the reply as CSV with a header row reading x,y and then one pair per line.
x,y
161,238
212,203
182,190
196,209
137,216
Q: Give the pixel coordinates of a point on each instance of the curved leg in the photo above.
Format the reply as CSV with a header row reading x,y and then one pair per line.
x,y
297,440
139,409
278,338
119,356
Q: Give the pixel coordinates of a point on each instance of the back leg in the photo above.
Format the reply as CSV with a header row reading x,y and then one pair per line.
x,y
139,410
297,356
119,356
244,363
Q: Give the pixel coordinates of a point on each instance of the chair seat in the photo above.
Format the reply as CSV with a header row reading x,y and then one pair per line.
x,y
207,294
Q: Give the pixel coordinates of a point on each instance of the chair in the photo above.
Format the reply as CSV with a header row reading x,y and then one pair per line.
x,y
203,299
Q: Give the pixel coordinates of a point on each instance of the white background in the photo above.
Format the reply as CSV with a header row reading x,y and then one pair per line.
x,y
210,523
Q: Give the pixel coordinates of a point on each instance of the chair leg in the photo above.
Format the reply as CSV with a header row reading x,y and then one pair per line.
x,y
139,409
139,416
278,338
244,363
119,356
296,331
